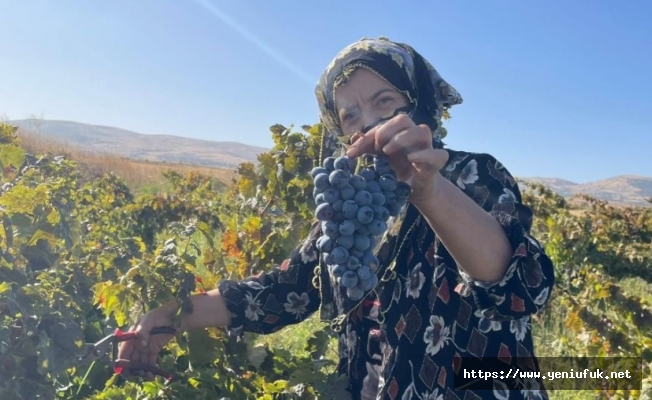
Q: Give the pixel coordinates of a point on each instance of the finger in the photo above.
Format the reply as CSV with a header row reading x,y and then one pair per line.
x,y
363,145
391,128
414,139
430,159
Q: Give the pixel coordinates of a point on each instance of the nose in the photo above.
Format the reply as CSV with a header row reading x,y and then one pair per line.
x,y
369,119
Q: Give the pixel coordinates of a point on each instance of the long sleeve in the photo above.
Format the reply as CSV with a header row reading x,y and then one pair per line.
x,y
271,300
529,277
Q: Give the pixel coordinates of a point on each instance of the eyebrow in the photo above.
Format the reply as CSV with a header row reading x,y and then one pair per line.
x,y
371,99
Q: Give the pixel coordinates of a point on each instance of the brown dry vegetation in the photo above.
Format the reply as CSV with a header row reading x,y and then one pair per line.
x,y
139,175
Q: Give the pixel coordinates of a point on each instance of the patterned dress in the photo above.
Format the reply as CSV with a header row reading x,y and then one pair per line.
x,y
408,338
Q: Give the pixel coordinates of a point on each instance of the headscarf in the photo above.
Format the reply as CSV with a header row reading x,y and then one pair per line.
x,y
400,66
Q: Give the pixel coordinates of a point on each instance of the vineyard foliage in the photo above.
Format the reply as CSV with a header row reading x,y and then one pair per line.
x,y
80,258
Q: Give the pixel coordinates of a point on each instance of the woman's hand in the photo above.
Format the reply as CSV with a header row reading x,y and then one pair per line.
x,y
408,148
145,348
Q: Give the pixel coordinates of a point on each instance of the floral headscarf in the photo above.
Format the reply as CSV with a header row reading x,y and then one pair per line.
x,y
401,67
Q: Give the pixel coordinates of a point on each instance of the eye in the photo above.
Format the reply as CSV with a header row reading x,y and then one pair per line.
x,y
383,101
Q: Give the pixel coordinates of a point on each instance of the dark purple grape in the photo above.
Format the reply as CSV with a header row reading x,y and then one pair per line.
x,y
364,272
387,183
318,170
354,293
319,199
368,174
378,198
365,215
352,262
339,178
363,198
325,244
349,279
350,209
330,229
347,228
329,164
377,227
321,182
324,212
347,192
345,241
337,206
339,255
342,163
331,195
358,182
361,242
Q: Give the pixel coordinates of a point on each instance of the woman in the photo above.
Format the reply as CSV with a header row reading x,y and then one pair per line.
x,y
461,274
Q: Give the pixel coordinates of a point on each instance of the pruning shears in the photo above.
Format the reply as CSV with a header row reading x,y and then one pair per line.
x,y
106,351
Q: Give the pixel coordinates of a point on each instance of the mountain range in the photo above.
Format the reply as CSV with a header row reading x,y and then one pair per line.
x,y
623,190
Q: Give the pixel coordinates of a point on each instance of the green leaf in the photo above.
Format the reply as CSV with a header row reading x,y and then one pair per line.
x,y
11,155
5,287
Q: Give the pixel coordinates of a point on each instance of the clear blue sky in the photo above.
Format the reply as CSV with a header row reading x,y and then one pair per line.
x,y
551,88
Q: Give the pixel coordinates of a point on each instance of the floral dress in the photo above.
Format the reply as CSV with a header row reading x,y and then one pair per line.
x,y
412,334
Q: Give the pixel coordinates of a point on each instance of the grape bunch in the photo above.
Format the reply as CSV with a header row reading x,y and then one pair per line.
x,y
353,207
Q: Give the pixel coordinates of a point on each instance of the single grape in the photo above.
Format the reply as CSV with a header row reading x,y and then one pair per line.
x,y
331,194
377,227
380,212
368,174
321,182
358,182
365,214
337,205
353,163
361,242
347,192
354,293
328,164
352,262
349,279
319,199
339,254
370,260
347,228
364,272
394,208
330,229
377,199
342,163
387,182
324,212
390,197
339,178
350,209
318,170
363,198
325,244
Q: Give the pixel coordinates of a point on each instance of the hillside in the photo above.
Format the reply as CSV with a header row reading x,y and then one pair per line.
x,y
138,146
624,189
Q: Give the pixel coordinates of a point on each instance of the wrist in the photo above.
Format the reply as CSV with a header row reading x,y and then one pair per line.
x,y
429,194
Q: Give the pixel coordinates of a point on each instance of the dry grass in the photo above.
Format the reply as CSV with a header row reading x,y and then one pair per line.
x,y
139,175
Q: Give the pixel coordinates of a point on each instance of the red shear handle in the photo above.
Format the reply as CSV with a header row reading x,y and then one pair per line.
x,y
121,336
121,366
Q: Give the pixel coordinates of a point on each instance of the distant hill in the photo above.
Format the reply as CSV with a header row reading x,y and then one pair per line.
x,y
625,190
138,146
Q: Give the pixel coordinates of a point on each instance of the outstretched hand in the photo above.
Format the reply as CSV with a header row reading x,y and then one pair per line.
x,y
408,148
145,348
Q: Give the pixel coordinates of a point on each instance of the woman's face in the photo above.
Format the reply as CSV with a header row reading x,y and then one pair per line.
x,y
364,99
